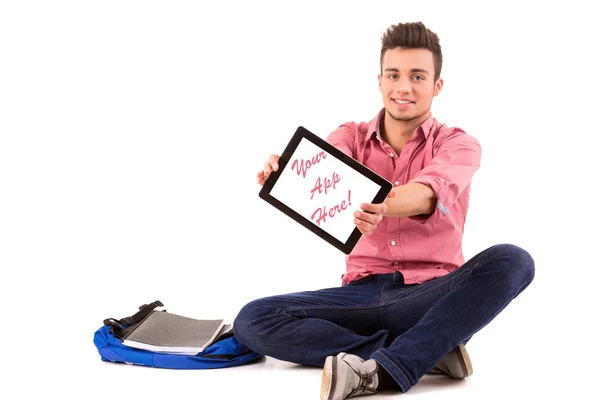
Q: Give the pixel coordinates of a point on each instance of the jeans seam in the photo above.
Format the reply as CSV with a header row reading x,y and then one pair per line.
x,y
353,307
450,281
379,304
278,343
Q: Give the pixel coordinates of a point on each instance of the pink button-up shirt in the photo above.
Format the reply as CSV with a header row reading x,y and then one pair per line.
x,y
421,247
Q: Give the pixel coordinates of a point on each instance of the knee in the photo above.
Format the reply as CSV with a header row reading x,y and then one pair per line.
x,y
243,321
246,323
517,263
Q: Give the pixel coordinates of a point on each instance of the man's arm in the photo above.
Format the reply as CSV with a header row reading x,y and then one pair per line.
x,y
410,199
439,184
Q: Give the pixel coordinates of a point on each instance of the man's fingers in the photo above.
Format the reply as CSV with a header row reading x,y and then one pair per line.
x,y
267,169
365,217
369,215
274,161
380,208
262,174
271,165
366,222
260,177
366,228
363,231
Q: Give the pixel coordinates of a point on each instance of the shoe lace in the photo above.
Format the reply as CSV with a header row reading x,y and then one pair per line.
x,y
366,383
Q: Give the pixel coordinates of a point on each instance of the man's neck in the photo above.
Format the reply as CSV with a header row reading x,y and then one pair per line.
x,y
397,133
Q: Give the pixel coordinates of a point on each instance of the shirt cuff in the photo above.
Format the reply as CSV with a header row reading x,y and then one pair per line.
x,y
439,189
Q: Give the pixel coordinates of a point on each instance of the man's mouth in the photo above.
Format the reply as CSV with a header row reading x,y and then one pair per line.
x,y
399,101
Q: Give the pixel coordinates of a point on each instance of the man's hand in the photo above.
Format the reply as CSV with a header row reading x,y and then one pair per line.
x,y
270,166
370,215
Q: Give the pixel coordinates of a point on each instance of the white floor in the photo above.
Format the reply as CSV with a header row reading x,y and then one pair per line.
x,y
509,363
503,370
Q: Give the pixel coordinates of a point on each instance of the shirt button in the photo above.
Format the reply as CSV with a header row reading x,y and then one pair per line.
x,y
392,155
397,183
393,242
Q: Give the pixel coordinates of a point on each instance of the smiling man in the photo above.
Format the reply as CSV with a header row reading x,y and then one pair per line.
x,y
408,302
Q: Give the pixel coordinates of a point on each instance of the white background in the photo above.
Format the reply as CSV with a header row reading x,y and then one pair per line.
x,y
131,133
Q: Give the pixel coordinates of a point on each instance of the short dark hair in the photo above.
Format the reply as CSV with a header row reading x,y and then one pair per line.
x,y
413,35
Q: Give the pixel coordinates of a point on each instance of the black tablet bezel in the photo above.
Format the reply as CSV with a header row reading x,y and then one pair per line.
x,y
265,192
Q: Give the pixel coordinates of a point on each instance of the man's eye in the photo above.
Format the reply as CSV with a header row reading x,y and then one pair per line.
x,y
418,77
392,76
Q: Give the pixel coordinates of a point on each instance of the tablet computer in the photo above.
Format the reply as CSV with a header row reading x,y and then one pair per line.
x,y
320,187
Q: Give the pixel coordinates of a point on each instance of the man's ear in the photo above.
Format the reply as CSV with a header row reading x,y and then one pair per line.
x,y
438,86
379,80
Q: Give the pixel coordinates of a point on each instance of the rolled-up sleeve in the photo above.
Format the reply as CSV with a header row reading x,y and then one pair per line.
x,y
344,138
451,170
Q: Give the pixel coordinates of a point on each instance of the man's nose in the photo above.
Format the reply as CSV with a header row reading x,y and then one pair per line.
x,y
404,86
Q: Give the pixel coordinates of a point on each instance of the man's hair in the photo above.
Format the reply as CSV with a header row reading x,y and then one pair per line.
x,y
413,35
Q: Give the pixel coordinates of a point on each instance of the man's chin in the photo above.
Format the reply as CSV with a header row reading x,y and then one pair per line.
x,y
401,117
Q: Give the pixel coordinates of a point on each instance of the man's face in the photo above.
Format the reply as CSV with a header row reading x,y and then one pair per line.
x,y
407,84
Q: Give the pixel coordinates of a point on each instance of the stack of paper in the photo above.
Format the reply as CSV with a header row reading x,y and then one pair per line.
x,y
165,332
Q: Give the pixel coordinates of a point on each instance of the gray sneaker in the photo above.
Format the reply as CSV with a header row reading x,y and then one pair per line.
x,y
347,375
456,364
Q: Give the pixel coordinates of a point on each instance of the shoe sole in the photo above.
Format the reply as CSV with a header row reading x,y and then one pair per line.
x,y
328,378
464,361
456,364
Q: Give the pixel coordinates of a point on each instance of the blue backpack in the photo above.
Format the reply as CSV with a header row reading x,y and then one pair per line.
x,y
226,351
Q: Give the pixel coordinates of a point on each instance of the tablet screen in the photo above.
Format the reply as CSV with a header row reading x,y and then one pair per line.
x,y
320,187
323,189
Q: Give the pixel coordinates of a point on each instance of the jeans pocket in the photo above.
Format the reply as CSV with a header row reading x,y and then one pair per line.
x,y
362,281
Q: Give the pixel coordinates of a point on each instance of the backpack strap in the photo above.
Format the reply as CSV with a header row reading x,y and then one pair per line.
x,y
120,327
227,356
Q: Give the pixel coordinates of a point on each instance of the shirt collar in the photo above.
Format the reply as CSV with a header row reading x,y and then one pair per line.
x,y
374,128
427,126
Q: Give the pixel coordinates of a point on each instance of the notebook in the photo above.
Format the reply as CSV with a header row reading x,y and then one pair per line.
x,y
165,332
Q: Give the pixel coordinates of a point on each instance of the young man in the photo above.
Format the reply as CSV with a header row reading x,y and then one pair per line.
x,y
408,301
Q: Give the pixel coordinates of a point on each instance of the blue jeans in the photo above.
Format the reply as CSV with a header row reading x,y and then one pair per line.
x,y
407,329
